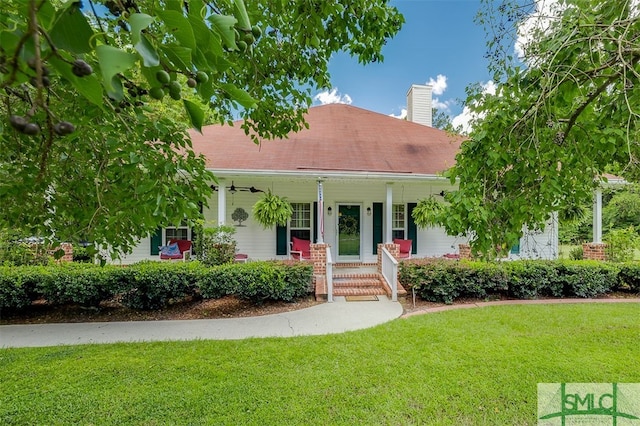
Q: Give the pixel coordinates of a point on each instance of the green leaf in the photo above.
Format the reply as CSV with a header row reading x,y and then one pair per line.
x,y
87,86
113,61
240,12
224,26
139,22
72,32
239,95
180,27
178,55
196,114
148,53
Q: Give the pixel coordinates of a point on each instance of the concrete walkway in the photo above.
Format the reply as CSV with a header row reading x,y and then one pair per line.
x,y
327,318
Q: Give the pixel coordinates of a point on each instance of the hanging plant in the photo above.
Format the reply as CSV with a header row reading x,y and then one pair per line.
x,y
428,212
272,210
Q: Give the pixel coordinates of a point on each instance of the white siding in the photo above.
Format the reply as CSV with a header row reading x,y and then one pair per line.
x,y
142,251
260,243
536,244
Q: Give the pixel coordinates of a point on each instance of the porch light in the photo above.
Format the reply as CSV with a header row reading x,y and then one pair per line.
x,y
329,210
368,211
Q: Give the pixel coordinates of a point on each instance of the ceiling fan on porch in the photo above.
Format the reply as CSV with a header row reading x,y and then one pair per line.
x,y
233,188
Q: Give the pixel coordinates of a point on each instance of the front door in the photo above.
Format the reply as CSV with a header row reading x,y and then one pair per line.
x,y
349,232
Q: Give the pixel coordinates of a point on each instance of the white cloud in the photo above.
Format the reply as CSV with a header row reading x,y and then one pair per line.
x,y
401,116
538,22
439,85
464,119
332,97
440,105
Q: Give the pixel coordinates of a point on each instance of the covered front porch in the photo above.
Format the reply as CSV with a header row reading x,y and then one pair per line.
x,y
353,215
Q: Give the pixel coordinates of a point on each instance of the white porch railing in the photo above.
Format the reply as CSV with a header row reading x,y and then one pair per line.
x,y
329,274
390,272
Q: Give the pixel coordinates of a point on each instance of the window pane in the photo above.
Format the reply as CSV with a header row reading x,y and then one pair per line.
x,y
173,233
398,218
398,233
301,217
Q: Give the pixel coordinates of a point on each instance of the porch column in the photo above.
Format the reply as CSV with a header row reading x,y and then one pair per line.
x,y
320,213
597,216
388,234
222,202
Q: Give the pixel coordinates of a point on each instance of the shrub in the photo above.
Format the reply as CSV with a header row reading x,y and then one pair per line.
x,y
83,254
446,281
299,276
532,279
629,277
217,282
257,281
215,245
153,285
81,283
588,278
17,251
621,244
576,253
18,286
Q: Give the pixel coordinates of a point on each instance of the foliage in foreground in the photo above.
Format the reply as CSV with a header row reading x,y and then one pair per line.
x,y
462,367
96,96
151,285
446,281
542,140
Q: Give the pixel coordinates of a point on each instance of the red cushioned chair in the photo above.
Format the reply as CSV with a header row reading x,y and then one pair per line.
x,y
183,251
300,249
405,248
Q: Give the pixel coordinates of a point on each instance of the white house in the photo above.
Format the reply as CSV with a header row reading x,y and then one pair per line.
x,y
355,168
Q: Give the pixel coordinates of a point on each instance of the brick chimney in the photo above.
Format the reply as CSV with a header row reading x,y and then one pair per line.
x,y
419,104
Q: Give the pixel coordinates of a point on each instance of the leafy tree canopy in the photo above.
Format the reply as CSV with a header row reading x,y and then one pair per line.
x,y
565,112
97,96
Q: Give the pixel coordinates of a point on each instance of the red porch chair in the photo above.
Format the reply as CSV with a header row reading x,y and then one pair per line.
x,y
405,248
300,249
176,250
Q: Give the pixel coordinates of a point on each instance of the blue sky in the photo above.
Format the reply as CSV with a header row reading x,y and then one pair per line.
x,y
439,37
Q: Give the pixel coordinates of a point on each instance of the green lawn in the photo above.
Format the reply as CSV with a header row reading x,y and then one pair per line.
x,y
463,367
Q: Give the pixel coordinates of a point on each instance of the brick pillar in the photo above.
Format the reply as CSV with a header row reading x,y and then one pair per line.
x,y
319,258
594,251
394,249
68,252
465,251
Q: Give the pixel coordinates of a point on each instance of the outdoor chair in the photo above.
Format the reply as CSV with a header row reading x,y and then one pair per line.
x,y
405,248
300,249
176,250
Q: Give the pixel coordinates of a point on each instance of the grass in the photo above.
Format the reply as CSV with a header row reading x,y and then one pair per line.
x,y
463,367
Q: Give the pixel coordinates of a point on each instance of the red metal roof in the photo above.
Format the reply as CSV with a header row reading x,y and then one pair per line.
x,y
340,138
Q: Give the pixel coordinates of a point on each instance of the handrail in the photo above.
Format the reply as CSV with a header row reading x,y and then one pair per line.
x,y
390,272
329,275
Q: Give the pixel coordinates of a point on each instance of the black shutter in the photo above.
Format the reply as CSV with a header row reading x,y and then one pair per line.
x,y
377,226
412,229
281,240
156,241
315,222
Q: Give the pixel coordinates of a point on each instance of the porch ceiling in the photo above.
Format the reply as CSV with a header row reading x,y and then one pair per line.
x,y
342,140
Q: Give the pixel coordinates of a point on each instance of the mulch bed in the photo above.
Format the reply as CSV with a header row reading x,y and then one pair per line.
x,y
227,307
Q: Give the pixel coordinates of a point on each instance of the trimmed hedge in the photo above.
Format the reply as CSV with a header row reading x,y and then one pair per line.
x,y
258,281
446,281
150,285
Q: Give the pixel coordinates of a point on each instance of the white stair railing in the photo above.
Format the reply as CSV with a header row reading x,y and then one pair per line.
x,y
390,272
329,275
